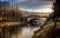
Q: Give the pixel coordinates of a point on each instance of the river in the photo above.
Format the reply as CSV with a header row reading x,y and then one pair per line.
x,y
24,31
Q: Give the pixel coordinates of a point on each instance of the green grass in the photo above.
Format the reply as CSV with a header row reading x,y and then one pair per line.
x,y
58,24
58,18
44,30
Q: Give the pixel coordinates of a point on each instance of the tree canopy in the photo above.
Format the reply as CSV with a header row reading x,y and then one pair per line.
x,y
56,8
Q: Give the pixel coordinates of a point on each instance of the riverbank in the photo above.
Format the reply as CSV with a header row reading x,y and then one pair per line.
x,y
48,29
3,24
42,32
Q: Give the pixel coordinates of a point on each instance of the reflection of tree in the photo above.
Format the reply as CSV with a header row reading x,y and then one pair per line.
x,y
7,32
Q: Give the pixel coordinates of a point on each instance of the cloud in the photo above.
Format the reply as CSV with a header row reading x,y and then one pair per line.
x,y
33,4
22,0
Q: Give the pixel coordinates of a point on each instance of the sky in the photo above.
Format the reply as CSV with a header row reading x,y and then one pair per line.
x,y
33,5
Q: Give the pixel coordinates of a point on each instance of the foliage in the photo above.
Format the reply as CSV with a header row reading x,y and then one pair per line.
x,y
48,31
56,8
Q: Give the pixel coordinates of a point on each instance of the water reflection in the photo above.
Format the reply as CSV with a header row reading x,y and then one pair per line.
x,y
20,31
25,32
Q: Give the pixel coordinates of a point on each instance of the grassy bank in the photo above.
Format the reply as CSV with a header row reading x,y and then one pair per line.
x,y
46,31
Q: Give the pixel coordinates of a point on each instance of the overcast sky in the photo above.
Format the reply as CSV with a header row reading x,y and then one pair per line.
x,y
33,5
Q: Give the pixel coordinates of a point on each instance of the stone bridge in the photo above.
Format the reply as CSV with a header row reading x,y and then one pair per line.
x,y
28,18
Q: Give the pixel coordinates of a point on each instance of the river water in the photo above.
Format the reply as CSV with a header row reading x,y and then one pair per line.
x,y
24,31
19,31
